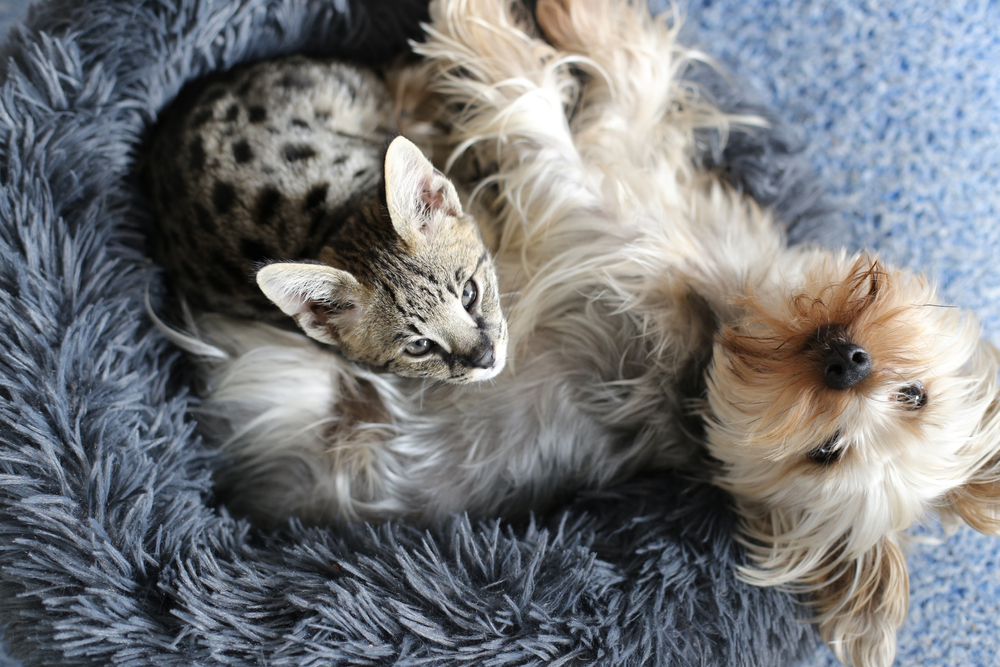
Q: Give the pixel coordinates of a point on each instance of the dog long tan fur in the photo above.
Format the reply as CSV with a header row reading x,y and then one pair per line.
x,y
841,402
844,400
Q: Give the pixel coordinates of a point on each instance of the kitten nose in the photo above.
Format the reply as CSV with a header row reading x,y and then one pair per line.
x,y
846,365
487,359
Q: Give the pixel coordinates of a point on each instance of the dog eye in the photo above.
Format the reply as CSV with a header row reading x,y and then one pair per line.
x,y
828,452
912,396
419,348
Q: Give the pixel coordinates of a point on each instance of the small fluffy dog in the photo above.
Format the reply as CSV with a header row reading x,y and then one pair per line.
x,y
839,402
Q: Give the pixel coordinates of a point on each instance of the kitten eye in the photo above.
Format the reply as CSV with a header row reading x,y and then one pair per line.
x,y
828,452
912,396
469,294
419,348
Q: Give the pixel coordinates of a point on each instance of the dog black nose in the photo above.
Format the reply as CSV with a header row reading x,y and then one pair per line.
x,y
846,365
485,360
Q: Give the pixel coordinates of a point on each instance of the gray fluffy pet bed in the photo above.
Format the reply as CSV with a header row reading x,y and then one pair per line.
x,y
112,549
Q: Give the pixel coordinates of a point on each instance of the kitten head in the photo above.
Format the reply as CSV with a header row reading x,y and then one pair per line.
x,y
845,404
420,299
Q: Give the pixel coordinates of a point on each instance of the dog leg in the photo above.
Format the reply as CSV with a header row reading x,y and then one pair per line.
x,y
511,92
635,101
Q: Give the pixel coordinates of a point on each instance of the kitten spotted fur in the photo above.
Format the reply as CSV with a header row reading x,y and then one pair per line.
x,y
280,172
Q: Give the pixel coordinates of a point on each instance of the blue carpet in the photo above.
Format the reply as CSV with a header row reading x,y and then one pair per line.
x,y
899,102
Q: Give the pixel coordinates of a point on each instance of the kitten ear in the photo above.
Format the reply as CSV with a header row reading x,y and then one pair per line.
x,y
324,301
419,196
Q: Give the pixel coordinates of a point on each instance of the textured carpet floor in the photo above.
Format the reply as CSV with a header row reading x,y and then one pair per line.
x,y
899,102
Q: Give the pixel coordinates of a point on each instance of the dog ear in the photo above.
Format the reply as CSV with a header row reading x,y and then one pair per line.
x,y
859,593
977,501
861,603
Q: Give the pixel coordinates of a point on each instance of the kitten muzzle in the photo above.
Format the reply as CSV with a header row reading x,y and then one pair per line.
x,y
486,360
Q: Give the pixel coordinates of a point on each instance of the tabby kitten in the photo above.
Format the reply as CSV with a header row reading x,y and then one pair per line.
x,y
280,171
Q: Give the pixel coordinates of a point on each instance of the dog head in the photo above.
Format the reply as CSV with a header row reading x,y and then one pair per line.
x,y
844,404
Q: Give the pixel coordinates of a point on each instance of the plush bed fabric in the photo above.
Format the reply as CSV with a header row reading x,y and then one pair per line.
x,y
111,548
